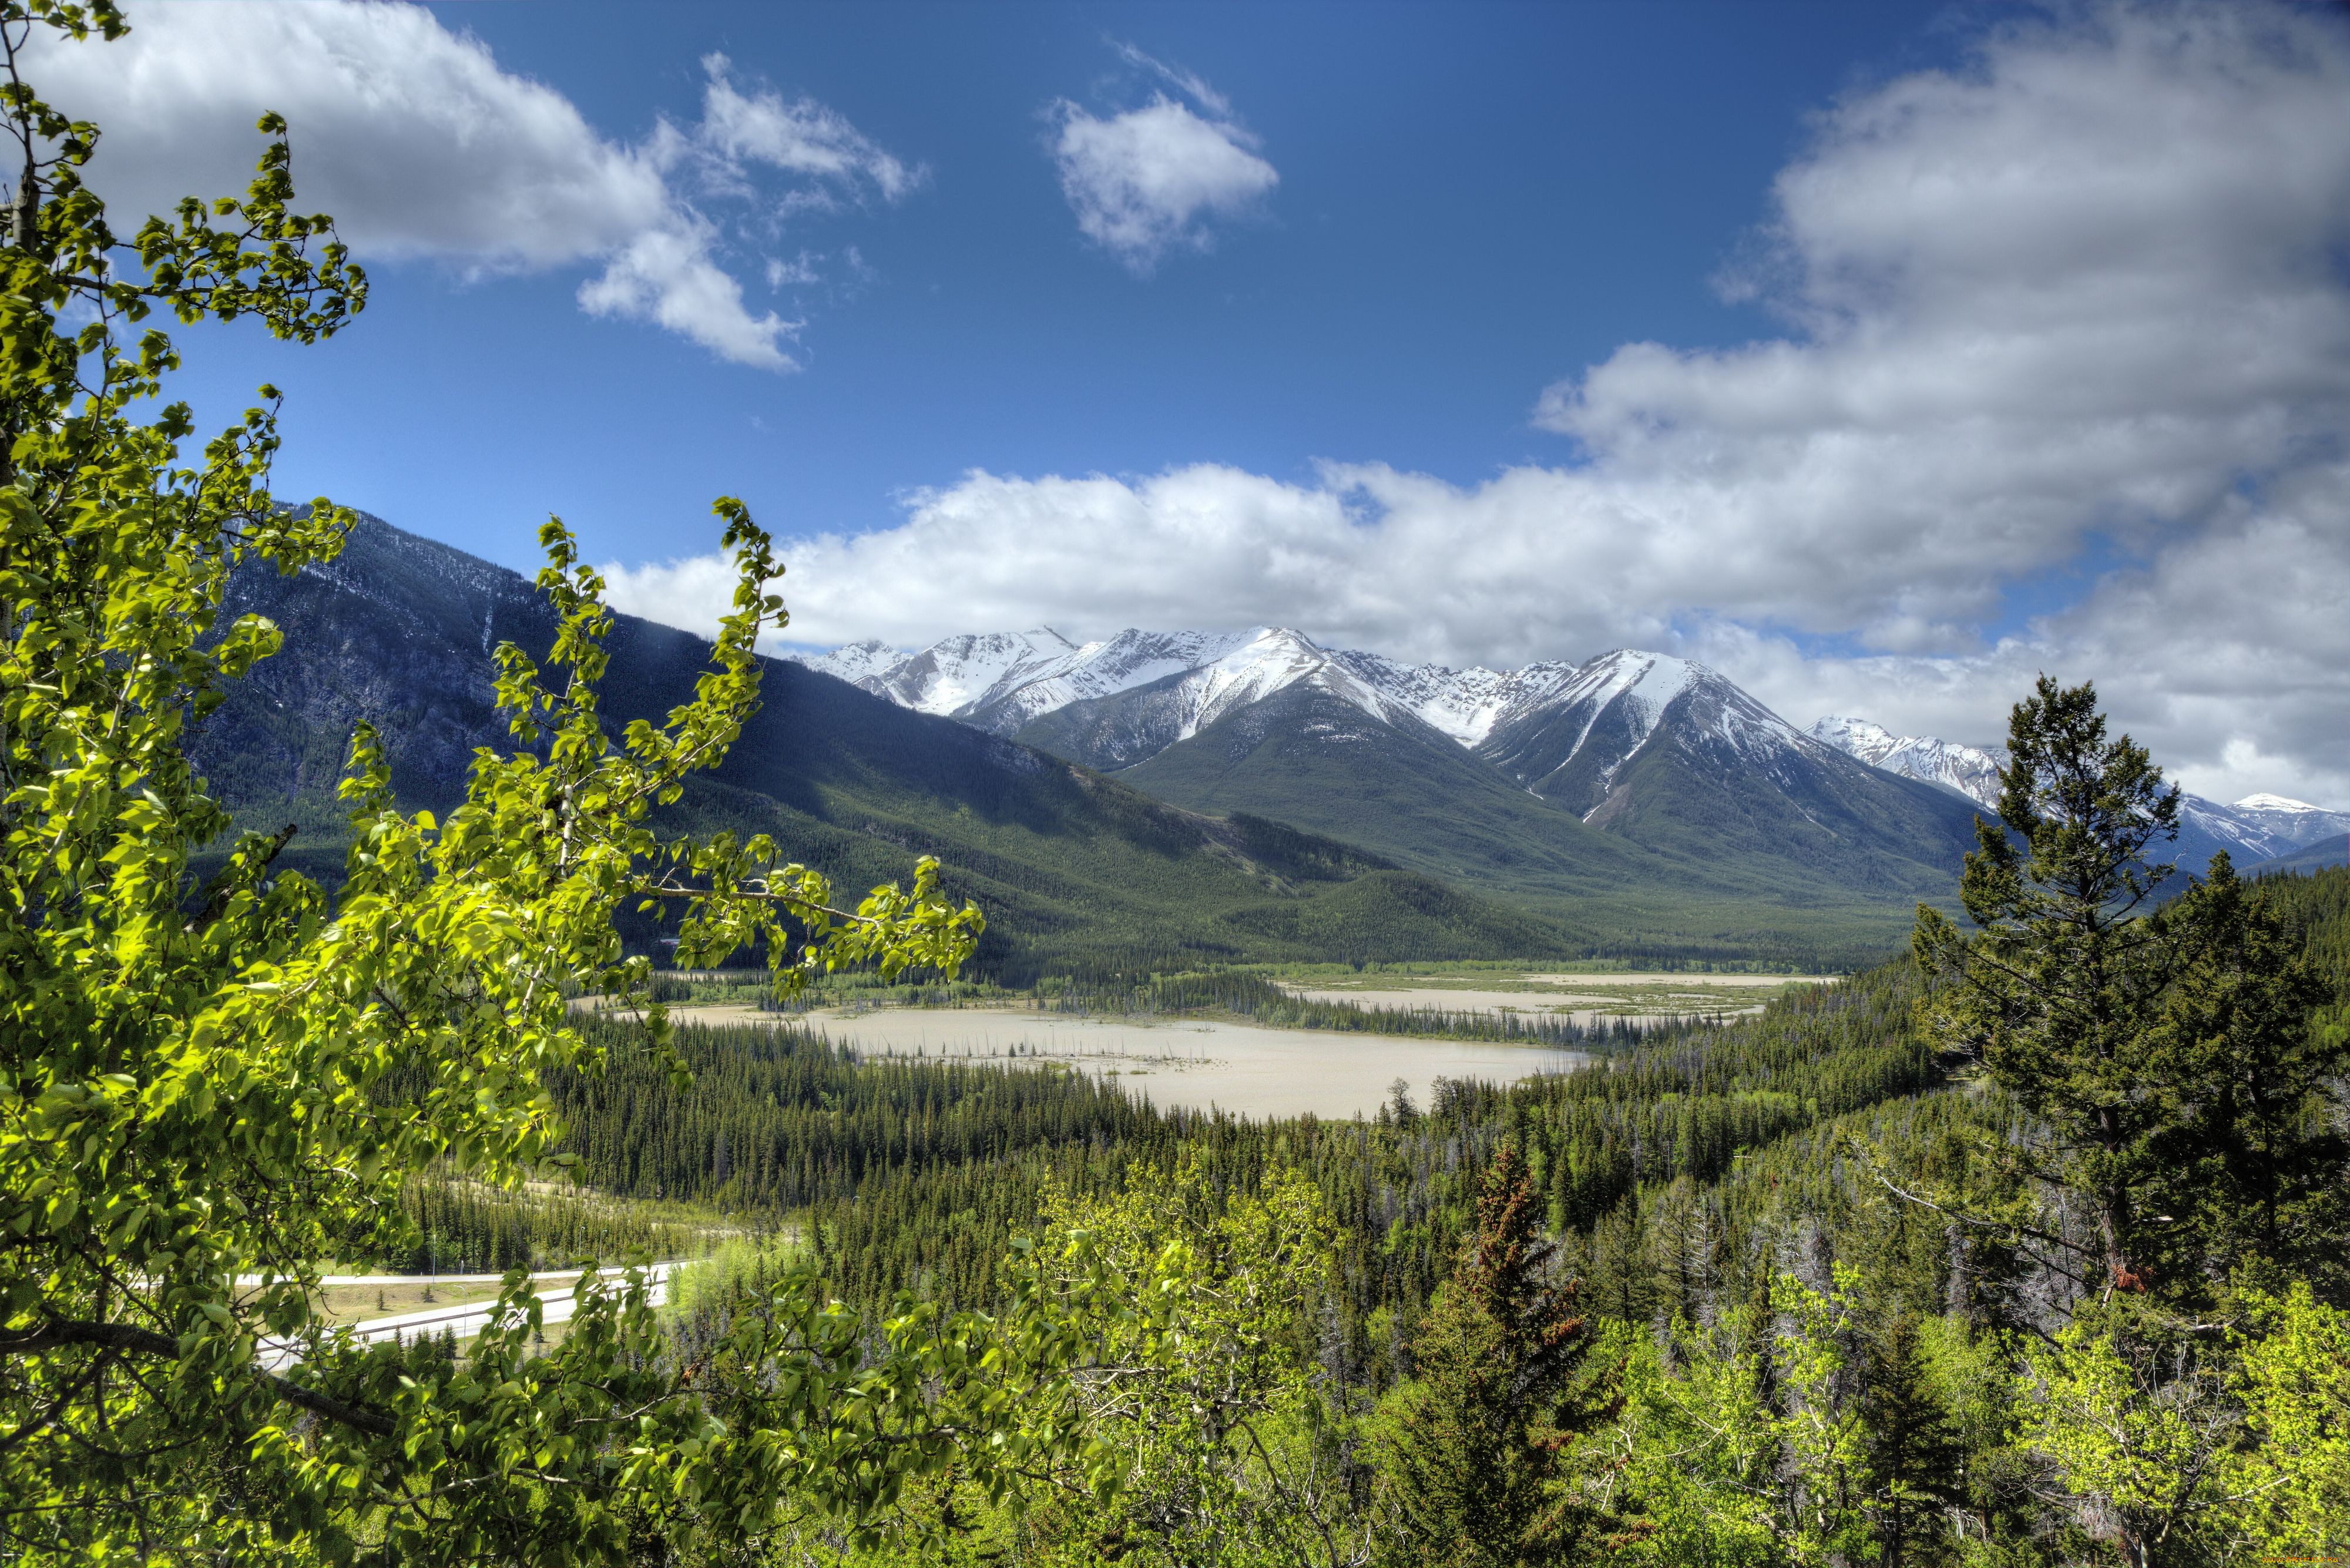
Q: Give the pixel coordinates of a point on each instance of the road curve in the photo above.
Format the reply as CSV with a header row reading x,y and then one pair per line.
x,y
555,1305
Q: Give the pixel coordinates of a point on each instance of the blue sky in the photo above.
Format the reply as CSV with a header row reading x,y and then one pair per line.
x,y
1881,354
1474,201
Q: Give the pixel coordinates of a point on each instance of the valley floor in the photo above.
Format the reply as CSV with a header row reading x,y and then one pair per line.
x,y
1176,1063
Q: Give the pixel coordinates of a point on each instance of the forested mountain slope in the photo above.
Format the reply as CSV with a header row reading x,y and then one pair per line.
x,y
1681,855
1072,869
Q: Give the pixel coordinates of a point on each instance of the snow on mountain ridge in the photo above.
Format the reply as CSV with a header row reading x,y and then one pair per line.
x,y
1464,704
1273,658
1969,770
1620,673
2276,826
859,662
1002,682
1123,662
2257,828
957,672
1856,737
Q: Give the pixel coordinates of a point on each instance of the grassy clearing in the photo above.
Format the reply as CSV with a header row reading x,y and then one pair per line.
x,y
398,1293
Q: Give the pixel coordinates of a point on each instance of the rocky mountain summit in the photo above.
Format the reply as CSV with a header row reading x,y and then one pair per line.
x,y
1534,722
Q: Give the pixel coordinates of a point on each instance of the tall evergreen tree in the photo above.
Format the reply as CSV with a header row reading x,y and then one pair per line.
x,y
2056,993
1914,1454
1477,1446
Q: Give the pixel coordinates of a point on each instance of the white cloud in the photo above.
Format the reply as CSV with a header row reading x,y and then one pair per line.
x,y
1148,181
782,273
800,138
2082,299
665,276
1189,83
422,146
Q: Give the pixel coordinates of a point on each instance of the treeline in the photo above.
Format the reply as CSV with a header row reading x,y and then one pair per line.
x,y
1359,924
466,1227
1244,995
779,1118
2318,908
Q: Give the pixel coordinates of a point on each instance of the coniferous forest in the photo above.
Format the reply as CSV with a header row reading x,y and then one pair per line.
x,y
1817,1321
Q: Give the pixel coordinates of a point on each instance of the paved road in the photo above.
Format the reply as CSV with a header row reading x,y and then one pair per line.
x,y
555,1305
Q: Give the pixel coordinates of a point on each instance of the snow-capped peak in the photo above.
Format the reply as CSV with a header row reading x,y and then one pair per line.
x,y
1270,659
1969,770
856,662
1651,680
2276,803
1858,737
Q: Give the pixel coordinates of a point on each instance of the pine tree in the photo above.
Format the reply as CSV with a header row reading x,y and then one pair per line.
x,y
1477,1446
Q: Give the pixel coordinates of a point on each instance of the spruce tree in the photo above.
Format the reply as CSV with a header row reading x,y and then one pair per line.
x,y
1914,1453
1477,1446
2057,992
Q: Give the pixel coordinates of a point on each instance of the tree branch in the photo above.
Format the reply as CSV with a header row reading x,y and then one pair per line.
x,y
61,1333
671,889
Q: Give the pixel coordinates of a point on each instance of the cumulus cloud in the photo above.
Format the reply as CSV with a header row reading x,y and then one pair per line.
x,y
2087,285
1146,181
2080,300
422,146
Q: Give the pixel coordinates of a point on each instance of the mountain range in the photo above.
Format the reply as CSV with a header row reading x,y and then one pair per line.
x,y
1079,873
1392,839
1653,748
2255,831
1568,787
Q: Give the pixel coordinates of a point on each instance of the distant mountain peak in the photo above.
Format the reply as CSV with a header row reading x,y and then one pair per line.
x,y
1972,771
857,662
1857,736
2276,803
